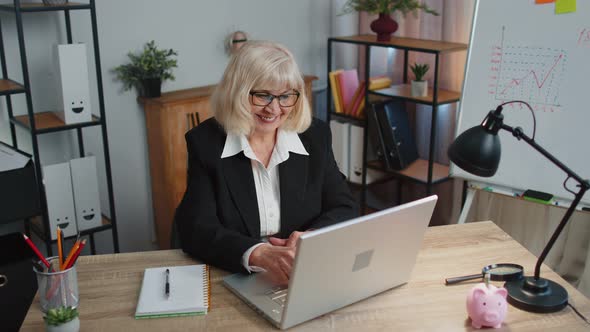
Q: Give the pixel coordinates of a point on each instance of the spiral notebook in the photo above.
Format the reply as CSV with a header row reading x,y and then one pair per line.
x,y
189,292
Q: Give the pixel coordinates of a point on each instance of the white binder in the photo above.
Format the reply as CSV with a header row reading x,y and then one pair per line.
x,y
341,145
86,195
60,199
356,158
74,91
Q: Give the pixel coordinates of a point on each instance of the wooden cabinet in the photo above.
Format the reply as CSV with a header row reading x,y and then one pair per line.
x,y
168,118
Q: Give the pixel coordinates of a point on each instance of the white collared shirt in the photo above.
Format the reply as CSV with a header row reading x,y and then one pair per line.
x,y
266,180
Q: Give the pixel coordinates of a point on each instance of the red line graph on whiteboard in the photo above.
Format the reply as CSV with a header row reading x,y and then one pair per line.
x,y
530,73
517,81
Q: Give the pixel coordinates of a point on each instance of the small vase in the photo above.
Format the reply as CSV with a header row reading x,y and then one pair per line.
x,y
384,26
71,326
419,88
151,87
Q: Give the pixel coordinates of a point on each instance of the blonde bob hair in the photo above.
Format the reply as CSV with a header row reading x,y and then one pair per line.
x,y
258,65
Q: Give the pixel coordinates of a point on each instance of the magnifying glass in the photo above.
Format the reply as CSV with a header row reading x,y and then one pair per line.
x,y
498,272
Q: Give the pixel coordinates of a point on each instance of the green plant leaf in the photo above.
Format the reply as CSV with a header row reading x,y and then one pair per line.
x,y
61,315
387,6
152,62
419,70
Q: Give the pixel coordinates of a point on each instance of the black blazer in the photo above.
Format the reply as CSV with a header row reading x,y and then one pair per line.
x,y
218,218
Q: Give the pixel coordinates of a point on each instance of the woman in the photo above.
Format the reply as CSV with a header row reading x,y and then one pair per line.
x,y
260,169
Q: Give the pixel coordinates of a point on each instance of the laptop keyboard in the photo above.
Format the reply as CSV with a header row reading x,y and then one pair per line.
x,y
278,294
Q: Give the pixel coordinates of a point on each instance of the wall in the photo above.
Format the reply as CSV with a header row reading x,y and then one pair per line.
x,y
196,29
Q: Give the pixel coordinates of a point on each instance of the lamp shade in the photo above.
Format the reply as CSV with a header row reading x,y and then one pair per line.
x,y
477,151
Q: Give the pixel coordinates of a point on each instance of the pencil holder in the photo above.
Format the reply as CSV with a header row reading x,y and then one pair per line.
x,y
57,288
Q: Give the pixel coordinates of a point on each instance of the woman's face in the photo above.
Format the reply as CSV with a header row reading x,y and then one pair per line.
x,y
271,108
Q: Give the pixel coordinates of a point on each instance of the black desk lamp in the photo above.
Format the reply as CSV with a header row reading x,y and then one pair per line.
x,y
478,151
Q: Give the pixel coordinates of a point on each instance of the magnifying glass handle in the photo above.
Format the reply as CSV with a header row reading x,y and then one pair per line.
x,y
450,281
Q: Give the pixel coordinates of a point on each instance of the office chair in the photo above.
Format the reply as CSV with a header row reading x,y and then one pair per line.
x,y
174,238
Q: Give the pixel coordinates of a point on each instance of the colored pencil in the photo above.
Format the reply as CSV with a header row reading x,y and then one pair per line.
x,y
37,252
76,254
70,255
60,250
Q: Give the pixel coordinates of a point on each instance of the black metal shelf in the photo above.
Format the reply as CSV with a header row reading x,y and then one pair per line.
x,y
36,225
356,120
379,195
408,44
422,171
10,87
415,172
49,122
402,92
348,118
40,7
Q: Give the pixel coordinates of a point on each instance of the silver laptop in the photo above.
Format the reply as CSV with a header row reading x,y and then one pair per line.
x,y
341,264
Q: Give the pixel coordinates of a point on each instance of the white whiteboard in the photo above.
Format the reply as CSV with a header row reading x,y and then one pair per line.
x,y
520,50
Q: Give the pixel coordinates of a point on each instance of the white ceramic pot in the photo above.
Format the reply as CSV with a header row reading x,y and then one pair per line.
x,y
419,88
71,326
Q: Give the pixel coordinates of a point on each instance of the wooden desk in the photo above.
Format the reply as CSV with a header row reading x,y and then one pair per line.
x,y
109,288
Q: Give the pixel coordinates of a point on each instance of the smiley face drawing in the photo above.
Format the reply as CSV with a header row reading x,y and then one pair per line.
x,y
63,222
78,106
358,170
88,214
87,209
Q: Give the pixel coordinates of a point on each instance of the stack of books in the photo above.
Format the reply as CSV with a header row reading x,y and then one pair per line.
x,y
348,92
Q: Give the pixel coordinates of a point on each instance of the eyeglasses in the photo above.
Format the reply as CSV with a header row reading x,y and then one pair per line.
x,y
260,98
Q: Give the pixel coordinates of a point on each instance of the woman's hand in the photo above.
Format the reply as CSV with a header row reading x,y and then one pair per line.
x,y
277,257
290,242
276,260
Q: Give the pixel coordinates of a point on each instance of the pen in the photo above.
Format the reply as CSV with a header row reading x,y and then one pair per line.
x,y
167,287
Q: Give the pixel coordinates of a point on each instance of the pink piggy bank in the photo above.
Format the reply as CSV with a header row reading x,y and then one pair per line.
x,y
486,305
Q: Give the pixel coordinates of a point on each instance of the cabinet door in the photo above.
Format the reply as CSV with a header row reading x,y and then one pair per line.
x,y
186,116
166,126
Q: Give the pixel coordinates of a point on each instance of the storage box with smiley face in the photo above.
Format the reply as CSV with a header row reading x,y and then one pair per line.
x,y
73,88
86,193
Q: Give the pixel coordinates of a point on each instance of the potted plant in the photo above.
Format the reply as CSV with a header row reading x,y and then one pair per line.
x,y
62,319
419,87
384,26
148,70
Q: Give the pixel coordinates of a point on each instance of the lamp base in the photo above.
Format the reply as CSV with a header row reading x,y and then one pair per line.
x,y
536,295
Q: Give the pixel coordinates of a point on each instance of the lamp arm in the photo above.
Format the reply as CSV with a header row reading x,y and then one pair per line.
x,y
583,184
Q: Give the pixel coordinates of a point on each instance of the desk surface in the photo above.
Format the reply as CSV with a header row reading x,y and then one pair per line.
x,y
109,288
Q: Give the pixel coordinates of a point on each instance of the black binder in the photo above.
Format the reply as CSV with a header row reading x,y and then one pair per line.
x,y
19,194
375,146
397,138
18,282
